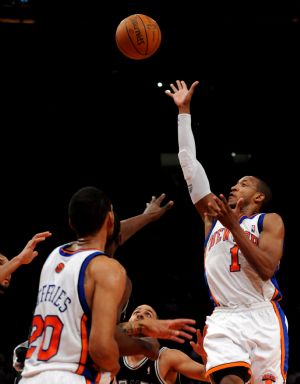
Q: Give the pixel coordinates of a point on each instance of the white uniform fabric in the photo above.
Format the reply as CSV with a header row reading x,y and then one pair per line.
x,y
61,377
247,327
193,172
61,322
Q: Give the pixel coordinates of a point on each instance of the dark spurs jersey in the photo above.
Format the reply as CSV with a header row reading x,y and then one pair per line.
x,y
145,372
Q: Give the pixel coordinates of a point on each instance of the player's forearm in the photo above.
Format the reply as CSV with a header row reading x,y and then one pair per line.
x,y
130,345
132,328
261,261
106,359
193,172
8,268
133,224
195,371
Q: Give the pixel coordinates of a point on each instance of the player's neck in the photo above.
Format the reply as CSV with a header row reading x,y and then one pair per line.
x,y
90,242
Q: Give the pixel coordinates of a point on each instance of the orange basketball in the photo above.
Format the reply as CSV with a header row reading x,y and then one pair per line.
x,y
138,36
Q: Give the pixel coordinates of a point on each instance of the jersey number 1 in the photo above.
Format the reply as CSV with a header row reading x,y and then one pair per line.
x,y
235,266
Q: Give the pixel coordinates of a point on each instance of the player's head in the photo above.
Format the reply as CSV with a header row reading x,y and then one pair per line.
x,y
89,210
254,192
4,284
143,311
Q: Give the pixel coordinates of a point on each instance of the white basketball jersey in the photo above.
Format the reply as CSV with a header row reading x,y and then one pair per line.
x,y
61,322
232,281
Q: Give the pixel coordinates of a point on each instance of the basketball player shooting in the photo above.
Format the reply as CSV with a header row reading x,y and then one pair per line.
x,y
246,334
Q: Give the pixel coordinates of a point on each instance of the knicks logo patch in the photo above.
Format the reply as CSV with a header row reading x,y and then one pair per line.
x,y
59,267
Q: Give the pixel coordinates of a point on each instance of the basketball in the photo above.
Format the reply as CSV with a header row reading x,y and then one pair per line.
x,y
138,36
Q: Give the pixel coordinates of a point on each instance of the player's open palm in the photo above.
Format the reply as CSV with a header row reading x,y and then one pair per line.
x,y
29,252
182,95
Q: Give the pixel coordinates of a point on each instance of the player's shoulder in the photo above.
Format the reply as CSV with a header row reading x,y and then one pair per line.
x,y
273,219
273,216
105,265
171,354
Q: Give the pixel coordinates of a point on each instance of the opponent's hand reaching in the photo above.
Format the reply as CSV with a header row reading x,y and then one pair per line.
x,y
198,347
29,252
155,209
176,329
7,267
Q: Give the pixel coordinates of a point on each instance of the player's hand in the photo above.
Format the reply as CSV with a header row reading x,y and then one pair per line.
x,y
220,210
198,346
155,207
181,94
29,252
176,329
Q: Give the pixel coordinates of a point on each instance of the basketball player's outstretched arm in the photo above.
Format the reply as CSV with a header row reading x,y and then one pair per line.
x,y
176,329
193,171
24,257
154,211
172,360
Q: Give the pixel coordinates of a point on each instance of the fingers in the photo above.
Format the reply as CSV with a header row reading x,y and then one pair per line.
x,y
199,336
180,323
185,335
169,205
194,85
223,198
160,198
42,234
177,339
174,89
181,84
38,238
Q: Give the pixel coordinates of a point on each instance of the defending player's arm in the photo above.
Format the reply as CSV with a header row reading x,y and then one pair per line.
x,y
176,329
178,361
130,345
24,257
154,211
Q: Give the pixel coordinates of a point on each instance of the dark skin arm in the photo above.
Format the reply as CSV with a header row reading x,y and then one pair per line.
x,y
130,345
24,257
131,340
176,329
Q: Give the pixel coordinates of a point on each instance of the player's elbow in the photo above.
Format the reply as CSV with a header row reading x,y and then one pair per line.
x,y
267,273
106,358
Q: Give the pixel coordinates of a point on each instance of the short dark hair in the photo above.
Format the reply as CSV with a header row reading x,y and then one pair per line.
x,y
88,209
263,187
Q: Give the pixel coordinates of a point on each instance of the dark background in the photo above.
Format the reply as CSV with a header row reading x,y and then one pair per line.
x,y
76,112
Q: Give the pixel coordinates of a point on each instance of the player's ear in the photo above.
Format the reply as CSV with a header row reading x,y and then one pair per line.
x,y
259,197
110,222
